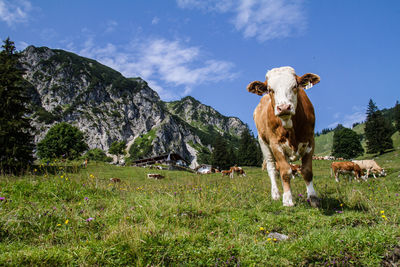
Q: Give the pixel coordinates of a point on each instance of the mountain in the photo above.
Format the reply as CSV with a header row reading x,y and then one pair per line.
x,y
107,107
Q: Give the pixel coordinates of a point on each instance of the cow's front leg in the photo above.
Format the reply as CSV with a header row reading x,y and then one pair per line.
x,y
269,161
286,175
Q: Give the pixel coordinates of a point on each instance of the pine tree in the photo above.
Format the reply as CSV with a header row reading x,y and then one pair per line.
x,y
249,151
378,130
346,144
16,141
220,157
397,116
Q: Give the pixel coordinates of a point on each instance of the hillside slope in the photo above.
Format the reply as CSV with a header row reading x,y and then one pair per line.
x,y
323,143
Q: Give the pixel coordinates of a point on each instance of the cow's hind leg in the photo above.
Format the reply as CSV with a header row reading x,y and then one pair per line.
x,y
270,164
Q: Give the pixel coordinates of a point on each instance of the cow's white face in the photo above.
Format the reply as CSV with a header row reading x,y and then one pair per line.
x,y
282,87
283,84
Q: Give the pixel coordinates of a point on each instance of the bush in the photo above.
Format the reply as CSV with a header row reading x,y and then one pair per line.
x,y
97,154
62,140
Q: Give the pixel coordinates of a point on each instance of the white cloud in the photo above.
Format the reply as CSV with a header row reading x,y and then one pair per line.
x,y
171,68
155,21
357,115
15,11
111,25
260,19
21,45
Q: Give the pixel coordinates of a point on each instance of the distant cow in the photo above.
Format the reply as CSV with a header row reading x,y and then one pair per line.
x,y
237,170
370,165
115,180
155,176
346,167
296,168
227,173
285,123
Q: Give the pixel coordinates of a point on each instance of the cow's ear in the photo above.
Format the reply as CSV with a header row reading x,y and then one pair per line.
x,y
257,87
308,80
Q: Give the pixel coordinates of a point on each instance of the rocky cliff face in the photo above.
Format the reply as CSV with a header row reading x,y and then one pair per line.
x,y
107,106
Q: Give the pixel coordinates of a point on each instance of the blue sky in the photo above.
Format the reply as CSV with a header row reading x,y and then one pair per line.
x,y
212,49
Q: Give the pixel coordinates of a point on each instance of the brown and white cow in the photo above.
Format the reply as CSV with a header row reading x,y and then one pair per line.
x,y
226,172
285,122
238,170
370,166
346,167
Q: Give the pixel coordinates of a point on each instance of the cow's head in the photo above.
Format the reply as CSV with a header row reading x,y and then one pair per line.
x,y
282,84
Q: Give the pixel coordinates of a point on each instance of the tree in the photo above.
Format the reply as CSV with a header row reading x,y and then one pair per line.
x,y
378,130
204,156
346,144
397,116
117,149
96,154
249,153
220,157
62,141
16,141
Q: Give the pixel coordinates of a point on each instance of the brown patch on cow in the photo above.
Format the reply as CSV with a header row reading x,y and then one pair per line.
x,y
115,180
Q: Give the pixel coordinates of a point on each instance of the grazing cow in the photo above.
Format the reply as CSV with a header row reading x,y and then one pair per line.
x,y
346,167
115,180
226,173
296,170
370,165
155,176
285,123
237,170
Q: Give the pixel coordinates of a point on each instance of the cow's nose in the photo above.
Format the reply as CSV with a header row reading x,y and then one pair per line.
x,y
284,108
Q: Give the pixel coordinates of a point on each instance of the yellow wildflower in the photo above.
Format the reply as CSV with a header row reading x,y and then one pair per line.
x,y
382,211
269,239
66,222
261,228
59,224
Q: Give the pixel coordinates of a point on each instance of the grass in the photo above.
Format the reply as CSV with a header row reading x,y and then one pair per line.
x,y
80,218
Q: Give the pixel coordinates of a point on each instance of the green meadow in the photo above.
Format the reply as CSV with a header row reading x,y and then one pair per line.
x,y
71,216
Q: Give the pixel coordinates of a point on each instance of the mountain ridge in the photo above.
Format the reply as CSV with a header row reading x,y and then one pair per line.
x,y
107,106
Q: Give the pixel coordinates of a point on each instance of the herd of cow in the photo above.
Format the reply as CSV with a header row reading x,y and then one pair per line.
x,y
357,168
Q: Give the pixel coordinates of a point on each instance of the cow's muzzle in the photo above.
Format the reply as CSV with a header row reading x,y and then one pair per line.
x,y
284,110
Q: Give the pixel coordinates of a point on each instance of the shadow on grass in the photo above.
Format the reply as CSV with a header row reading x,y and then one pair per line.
x,y
330,206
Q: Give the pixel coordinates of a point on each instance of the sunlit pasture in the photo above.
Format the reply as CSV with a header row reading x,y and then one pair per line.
x,y
63,214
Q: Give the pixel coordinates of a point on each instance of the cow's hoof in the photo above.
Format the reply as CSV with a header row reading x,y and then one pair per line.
x,y
288,204
314,201
275,195
287,199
